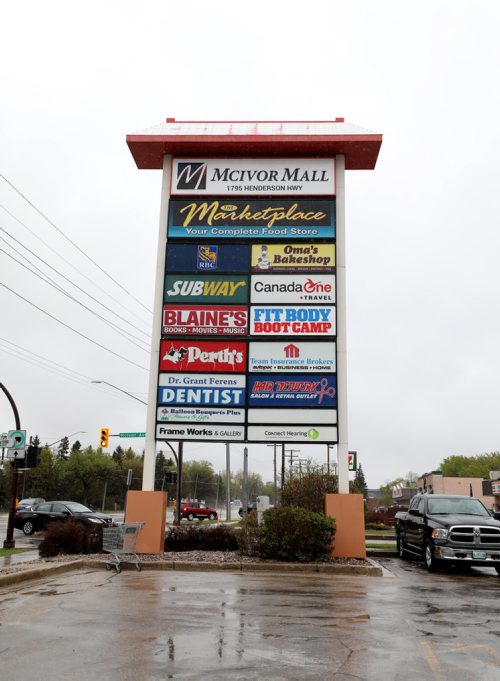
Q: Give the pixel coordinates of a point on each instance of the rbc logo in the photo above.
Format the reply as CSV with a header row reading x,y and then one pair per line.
x,y
207,257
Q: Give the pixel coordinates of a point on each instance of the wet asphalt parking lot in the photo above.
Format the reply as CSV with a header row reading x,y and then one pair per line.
x,y
217,625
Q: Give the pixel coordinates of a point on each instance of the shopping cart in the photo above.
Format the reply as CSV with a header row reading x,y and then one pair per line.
x,y
121,542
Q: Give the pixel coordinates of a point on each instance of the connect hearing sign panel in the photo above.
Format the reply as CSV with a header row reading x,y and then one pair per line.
x,y
251,218
292,434
250,176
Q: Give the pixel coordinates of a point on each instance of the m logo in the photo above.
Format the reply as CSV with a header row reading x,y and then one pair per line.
x,y
191,176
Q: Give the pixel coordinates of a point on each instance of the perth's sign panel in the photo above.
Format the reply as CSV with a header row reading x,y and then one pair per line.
x,y
291,357
292,391
250,176
280,433
180,431
198,355
311,320
208,288
205,321
293,288
216,218
294,257
207,258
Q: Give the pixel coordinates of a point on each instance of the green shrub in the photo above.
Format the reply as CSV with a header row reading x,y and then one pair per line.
x,y
215,538
70,536
295,534
308,491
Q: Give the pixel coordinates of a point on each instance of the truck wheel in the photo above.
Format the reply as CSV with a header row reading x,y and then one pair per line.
x,y
400,546
431,563
497,568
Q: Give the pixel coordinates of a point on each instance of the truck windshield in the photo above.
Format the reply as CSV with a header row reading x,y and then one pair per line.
x,y
453,506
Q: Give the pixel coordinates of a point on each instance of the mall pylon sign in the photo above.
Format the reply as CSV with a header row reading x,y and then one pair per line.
x,y
248,346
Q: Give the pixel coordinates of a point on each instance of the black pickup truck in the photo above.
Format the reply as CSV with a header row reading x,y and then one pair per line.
x,y
449,529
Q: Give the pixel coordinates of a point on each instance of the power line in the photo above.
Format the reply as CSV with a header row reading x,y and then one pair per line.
x,y
82,274
103,347
68,280
115,327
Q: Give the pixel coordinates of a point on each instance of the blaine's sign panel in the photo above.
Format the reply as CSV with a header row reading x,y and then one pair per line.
x,y
205,321
178,431
200,415
207,258
292,391
293,257
255,218
202,389
249,176
194,355
292,434
309,320
286,357
293,288
208,288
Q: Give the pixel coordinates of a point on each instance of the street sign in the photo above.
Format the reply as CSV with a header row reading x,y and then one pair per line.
x,y
16,453
4,440
17,438
132,434
353,461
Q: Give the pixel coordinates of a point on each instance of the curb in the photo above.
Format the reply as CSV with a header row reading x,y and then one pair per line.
x,y
381,553
372,570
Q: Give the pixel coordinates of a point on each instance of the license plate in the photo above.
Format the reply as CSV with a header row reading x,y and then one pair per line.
x,y
479,555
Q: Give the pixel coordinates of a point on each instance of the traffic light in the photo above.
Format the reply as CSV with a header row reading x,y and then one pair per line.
x,y
32,456
104,438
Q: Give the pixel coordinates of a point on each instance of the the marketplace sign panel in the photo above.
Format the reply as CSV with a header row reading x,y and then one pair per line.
x,y
253,176
248,347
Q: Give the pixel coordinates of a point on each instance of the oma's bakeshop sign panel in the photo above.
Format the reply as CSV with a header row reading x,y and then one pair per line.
x,y
294,257
249,176
179,431
202,389
217,218
293,288
195,355
200,415
210,288
323,416
292,391
292,357
309,320
205,321
206,258
279,433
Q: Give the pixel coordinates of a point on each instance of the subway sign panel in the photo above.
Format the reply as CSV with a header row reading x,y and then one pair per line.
x,y
211,288
251,176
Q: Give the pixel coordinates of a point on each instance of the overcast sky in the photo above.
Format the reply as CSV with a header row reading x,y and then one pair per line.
x,y
422,228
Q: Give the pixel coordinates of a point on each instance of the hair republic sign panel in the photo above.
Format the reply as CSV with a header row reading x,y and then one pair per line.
x,y
248,346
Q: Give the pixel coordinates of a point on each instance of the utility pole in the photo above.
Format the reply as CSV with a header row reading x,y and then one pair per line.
x,y
292,453
9,542
275,487
228,481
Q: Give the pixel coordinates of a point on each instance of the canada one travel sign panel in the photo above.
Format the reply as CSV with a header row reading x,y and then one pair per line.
x,y
293,288
249,176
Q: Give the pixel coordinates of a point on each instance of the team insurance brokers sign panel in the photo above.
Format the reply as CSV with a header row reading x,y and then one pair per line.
x,y
241,271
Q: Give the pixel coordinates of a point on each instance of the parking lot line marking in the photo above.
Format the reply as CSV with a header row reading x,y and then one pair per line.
x,y
472,646
432,661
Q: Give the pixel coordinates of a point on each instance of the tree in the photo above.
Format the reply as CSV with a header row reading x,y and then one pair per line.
x,y
471,466
198,480
86,473
309,491
76,447
63,448
359,482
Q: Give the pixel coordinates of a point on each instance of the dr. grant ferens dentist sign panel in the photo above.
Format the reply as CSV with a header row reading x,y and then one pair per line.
x,y
249,302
